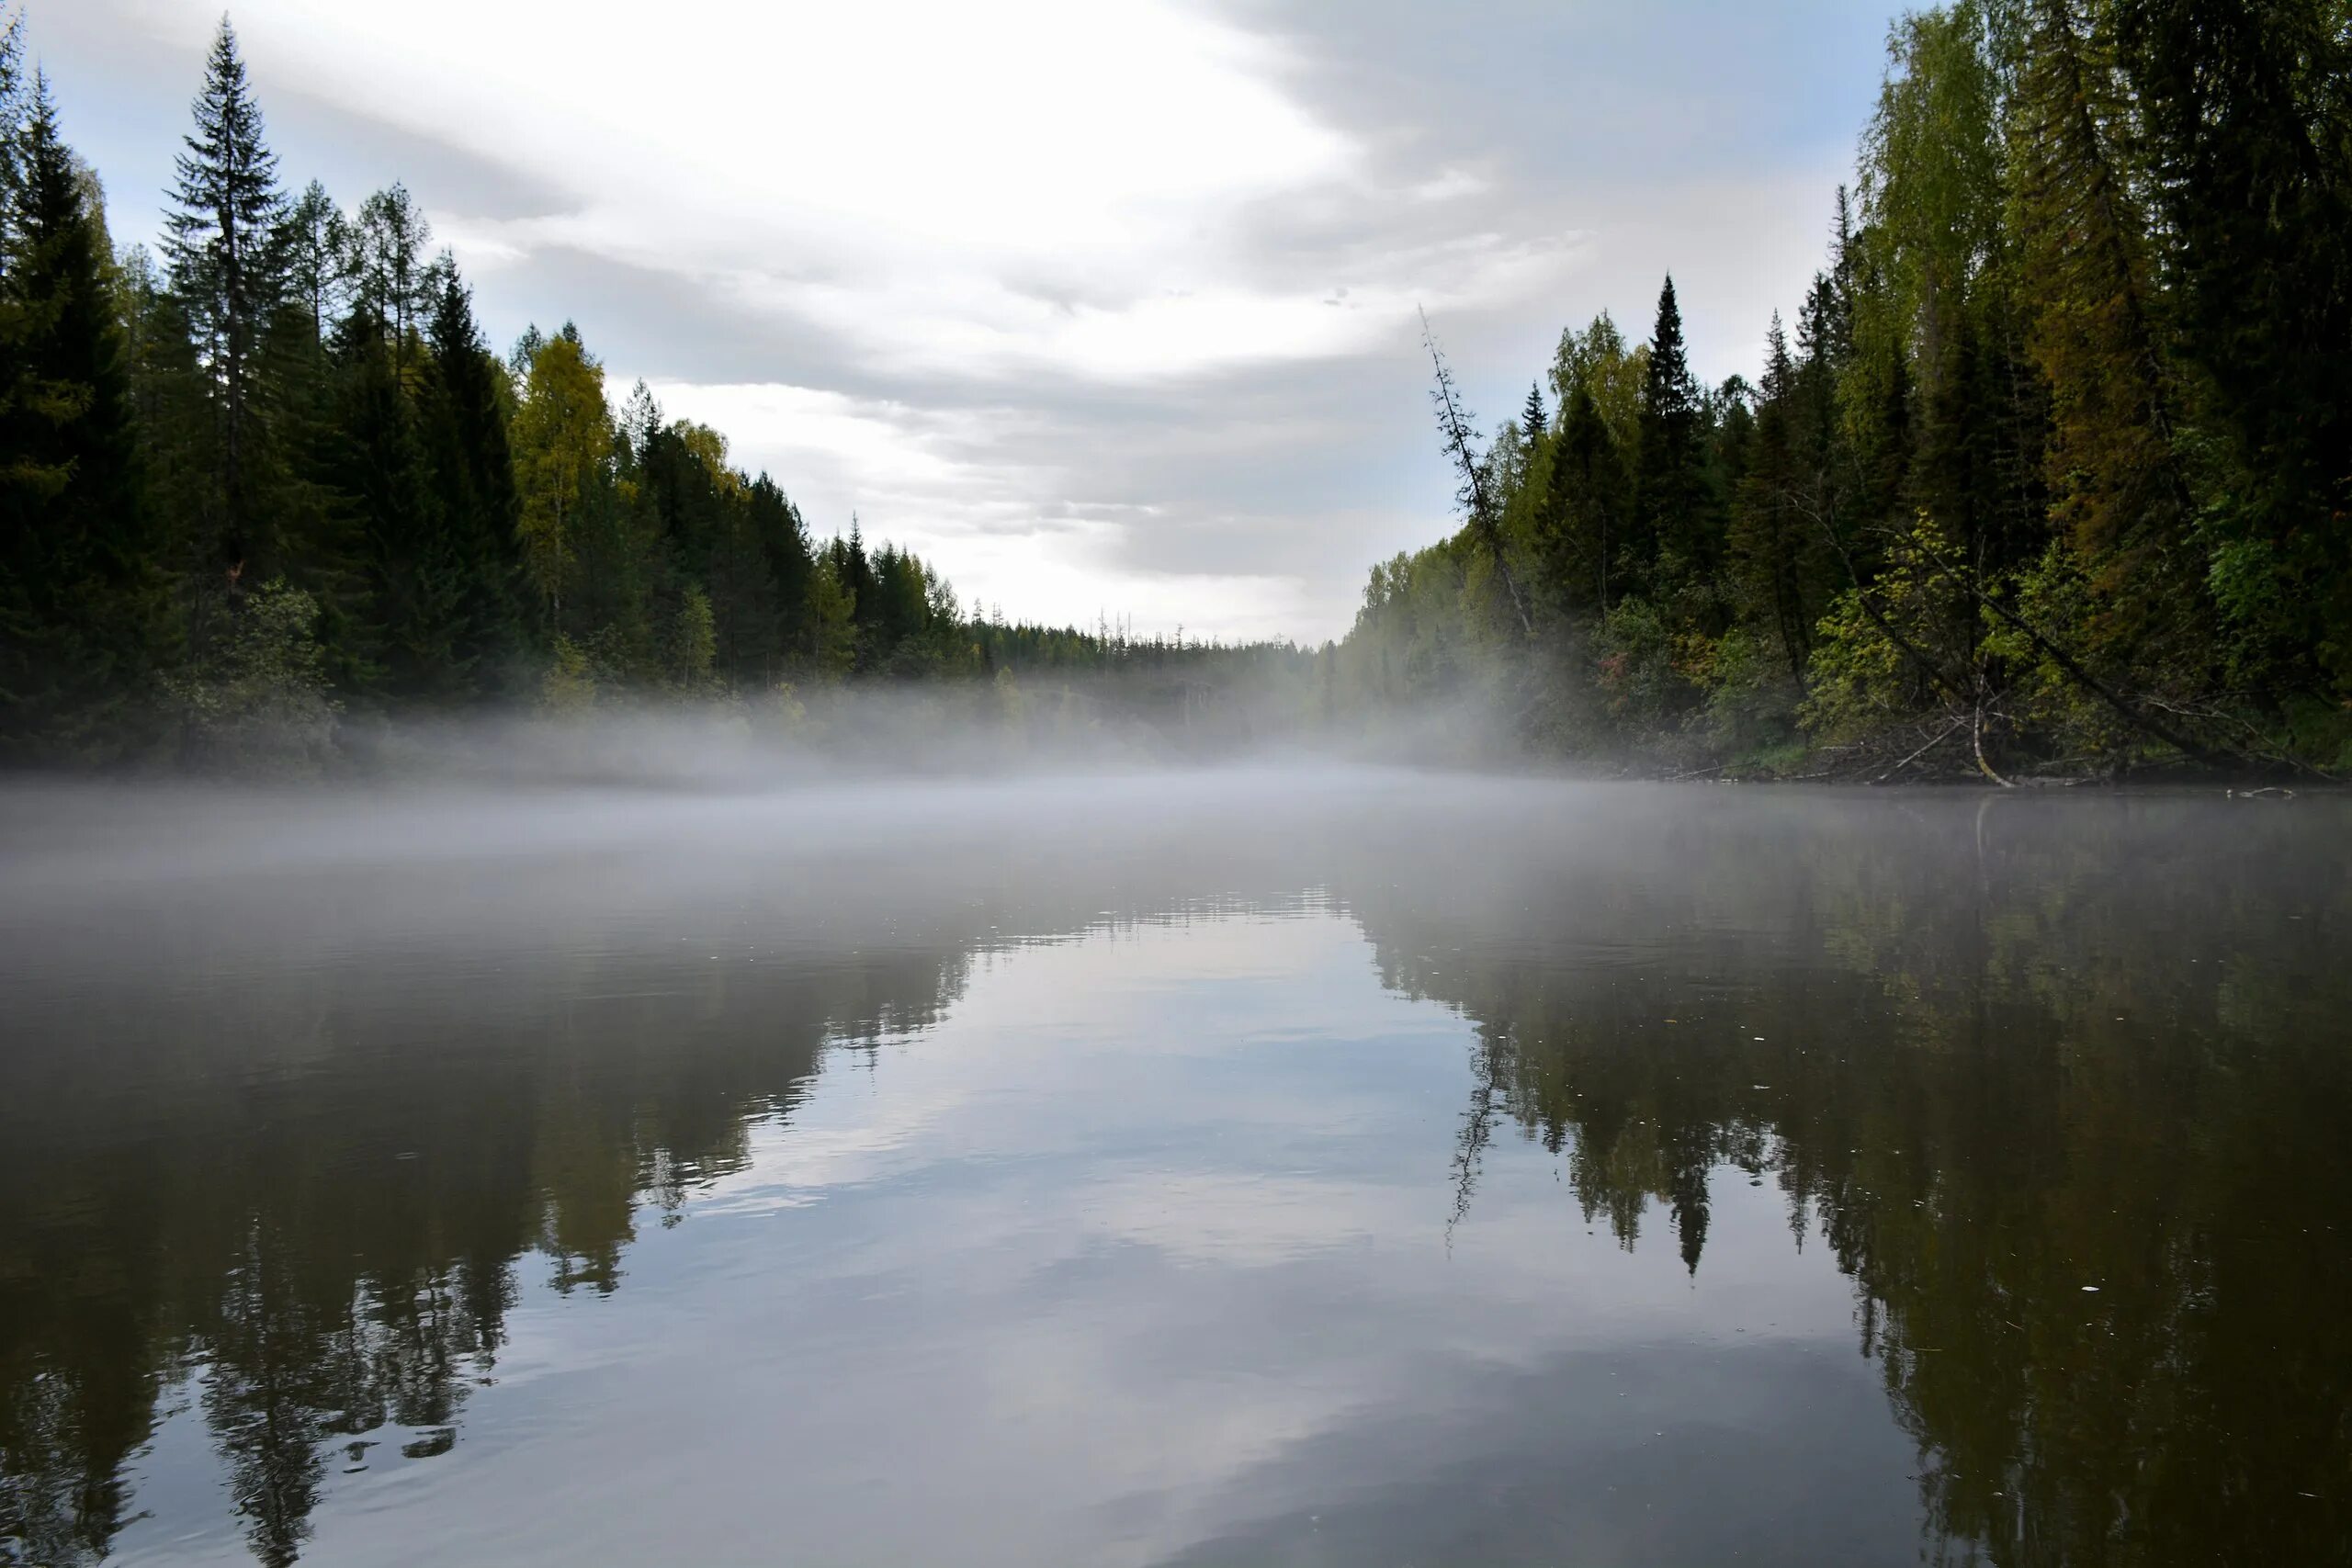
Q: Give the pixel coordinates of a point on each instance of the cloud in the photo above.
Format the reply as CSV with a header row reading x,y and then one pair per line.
x,y
1101,306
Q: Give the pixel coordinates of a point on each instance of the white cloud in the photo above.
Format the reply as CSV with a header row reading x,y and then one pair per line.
x,y
1100,305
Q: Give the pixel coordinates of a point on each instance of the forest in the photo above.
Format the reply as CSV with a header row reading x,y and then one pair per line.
x,y
2048,475
273,483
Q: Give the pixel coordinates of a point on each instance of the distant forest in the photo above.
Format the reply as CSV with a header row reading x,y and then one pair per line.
x,y
2049,474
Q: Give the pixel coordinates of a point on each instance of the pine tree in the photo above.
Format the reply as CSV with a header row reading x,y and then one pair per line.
x,y
462,419
2242,113
390,274
831,625
402,637
12,121
1673,528
783,545
1583,520
227,271
1766,538
315,242
2119,490
742,598
854,570
83,609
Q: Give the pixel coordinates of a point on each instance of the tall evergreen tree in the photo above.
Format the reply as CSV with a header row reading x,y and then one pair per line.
x,y
2119,489
391,274
402,638
1766,537
783,545
84,612
227,272
2249,128
462,417
1584,520
315,242
1674,528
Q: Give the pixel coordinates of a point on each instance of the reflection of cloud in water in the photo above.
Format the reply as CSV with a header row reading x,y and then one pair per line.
x,y
1063,1170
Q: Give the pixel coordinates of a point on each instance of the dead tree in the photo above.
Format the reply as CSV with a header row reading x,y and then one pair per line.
x,y
1453,424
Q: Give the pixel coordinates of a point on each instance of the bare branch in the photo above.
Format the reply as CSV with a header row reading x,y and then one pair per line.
x,y
1453,422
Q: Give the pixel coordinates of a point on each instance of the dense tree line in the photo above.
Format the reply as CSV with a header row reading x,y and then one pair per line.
x,y
2053,470
274,477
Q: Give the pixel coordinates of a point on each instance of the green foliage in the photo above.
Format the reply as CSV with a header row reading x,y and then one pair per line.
x,y
569,686
694,644
257,700
1636,669
833,630
227,272
1884,652
562,444
83,610
2056,474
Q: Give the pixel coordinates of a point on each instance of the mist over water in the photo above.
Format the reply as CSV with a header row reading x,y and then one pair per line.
x,y
1280,1162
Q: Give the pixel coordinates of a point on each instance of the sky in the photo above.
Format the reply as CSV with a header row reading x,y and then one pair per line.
x,y
1107,307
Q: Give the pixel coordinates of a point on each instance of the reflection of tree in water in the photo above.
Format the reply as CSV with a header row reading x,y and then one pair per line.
x,y
1986,1077
315,1214
286,1167
306,1215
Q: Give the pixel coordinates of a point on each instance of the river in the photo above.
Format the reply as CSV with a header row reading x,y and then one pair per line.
x,y
1273,1165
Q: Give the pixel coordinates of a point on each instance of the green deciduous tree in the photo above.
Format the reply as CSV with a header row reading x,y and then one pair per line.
x,y
563,452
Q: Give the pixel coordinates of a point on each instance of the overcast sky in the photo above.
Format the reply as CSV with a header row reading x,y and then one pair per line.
x,y
1100,306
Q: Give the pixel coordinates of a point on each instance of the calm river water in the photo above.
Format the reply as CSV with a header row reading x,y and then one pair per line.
x,y
1252,1169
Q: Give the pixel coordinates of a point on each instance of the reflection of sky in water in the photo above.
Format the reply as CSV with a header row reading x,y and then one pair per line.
x,y
1144,1252
1070,1172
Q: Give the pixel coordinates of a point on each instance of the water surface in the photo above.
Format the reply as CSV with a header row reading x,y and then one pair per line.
x,y
1274,1167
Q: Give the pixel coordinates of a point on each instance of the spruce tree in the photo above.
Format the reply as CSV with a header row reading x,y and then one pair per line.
x,y
784,544
389,271
83,610
227,272
401,636
2242,110
462,416
1532,424
1672,527
315,242
1582,522
1766,539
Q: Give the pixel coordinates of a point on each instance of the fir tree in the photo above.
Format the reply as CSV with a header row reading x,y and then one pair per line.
x,y
1670,500
315,244
83,613
228,272
1583,519
392,277
462,417
1766,542
783,545
2248,127
407,636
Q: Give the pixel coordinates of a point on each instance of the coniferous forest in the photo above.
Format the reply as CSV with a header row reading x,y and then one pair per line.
x,y
2048,473
274,479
